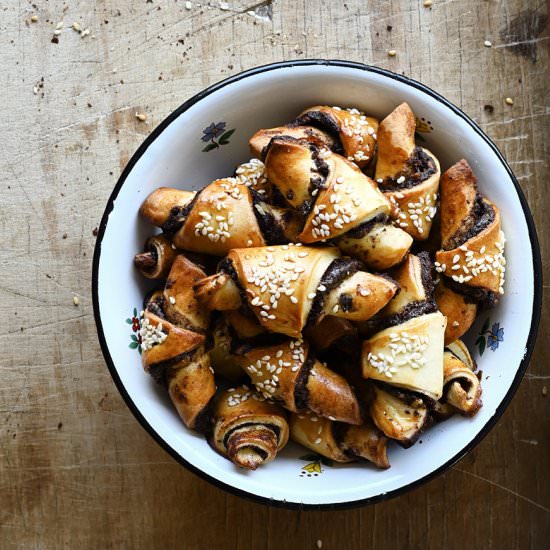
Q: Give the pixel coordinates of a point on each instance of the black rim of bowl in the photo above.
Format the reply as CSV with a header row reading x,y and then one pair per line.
x,y
537,284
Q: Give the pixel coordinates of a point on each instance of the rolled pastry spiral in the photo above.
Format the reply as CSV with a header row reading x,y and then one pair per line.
x,y
472,255
173,344
287,373
462,388
288,287
408,175
339,201
247,429
228,213
156,260
337,441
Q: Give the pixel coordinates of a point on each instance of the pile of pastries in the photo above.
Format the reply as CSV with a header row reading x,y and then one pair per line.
x,y
319,294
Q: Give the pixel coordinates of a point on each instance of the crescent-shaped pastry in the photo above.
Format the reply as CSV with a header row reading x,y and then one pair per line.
x,y
156,259
259,142
180,303
163,202
287,373
247,429
408,355
460,311
340,202
332,331
415,297
408,175
287,287
462,388
337,441
355,131
472,256
176,358
398,415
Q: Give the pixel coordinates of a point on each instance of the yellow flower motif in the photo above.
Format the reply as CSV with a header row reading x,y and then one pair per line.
x,y
423,126
313,467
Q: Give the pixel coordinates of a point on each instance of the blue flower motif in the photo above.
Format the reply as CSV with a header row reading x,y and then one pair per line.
x,y
213,131
495,336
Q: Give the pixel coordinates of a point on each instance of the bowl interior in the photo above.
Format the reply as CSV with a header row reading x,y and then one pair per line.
x,y
174,156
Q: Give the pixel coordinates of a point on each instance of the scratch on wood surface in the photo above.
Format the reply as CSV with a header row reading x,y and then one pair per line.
x,y
495,484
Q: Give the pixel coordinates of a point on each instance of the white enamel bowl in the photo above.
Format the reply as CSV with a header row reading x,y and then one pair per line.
x,y
173,156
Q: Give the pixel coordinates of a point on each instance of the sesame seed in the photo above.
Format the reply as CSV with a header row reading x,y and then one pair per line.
x,y
76,301
509,101
172,300
487,43
392,53
318,440
427,3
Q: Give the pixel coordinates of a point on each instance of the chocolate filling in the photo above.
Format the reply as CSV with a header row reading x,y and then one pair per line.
x,y
417,169
337,271
301,393
345,301
269,226
410,311
318,175
366,227
322,121
178,215
483,296
426,272
480,217
155,305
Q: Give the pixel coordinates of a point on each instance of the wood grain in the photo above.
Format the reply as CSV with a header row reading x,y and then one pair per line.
x,y
76,469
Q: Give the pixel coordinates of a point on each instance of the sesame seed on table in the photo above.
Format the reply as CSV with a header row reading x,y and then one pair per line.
x,y
72,456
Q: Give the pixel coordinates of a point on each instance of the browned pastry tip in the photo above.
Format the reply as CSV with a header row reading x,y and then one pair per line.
x,y
191,386
218,292
181,305
247,430
459,310
317,434
223,360
399,416
395,142
260,140
458,190
290,165
244,323
330,331
330,395
365,441
157,206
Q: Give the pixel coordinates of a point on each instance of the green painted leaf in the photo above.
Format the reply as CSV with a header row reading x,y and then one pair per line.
x,y
209,147
129,321
485,326
479,339
133,345
139,349
482,346
310,458
327,461
133,337
224,138
135,312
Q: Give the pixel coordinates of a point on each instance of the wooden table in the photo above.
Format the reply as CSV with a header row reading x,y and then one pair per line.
x,y
76,469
